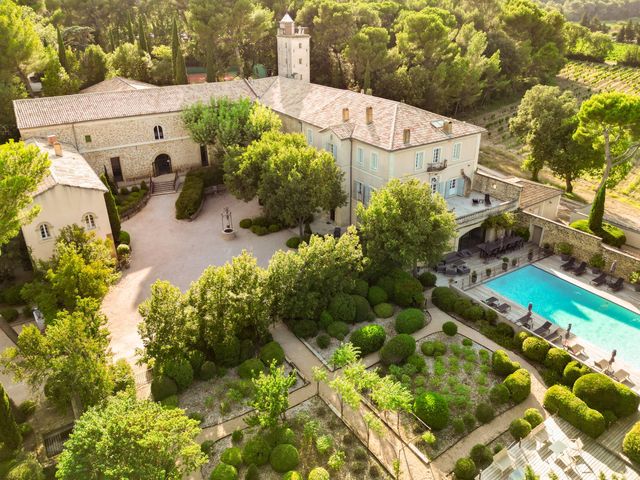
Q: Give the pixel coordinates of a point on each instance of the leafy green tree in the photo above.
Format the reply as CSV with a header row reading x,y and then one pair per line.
x,y
10,89
393,396
161,69
22,168
320,374
405,224
367,50
57,80
133,439
10,438
71,359
271,396
94,66
373,424
130,62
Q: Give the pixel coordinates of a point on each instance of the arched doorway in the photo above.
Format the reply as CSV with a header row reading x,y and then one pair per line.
x,y
161,165
470,239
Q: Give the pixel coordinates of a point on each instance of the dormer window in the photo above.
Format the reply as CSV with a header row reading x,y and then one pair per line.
x,y
158,134
89,221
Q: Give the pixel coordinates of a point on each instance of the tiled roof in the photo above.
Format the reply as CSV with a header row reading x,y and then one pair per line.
x,y
117,84
534,193
315,104
71,169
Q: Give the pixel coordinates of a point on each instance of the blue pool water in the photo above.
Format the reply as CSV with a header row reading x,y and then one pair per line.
x,y
596,319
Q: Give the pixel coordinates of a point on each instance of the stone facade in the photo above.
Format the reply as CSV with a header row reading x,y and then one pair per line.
x,y
496,187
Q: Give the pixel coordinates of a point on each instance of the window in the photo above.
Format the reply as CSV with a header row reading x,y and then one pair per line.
x,y
300,61
452,184
374,161
331,148
456,151
300,45
419,160
45,231
437,155
360,157
434,185
89,221
309,136
368,192
358,191
87,138
158,134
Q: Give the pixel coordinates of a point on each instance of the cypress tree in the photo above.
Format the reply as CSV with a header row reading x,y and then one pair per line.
x,y
9,434
181,70
132,38
142,35
62,53
175,46
211,65
112,210
597,210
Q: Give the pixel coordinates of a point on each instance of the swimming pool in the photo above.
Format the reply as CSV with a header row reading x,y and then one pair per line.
x,y
594,318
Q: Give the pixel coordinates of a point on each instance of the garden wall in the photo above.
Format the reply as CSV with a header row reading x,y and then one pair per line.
x,y
584,244
496,187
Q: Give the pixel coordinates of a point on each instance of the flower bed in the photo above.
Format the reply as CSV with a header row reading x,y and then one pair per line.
x,y
317,434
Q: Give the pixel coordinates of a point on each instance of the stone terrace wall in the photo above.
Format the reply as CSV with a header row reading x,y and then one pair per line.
x,y
584,244
496,187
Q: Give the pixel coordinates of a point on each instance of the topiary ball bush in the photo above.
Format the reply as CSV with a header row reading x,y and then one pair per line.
x,y
364,313
519,428
465,469
427,279
232,456
377,295
163,387
305,328
256,451
207,370
343,308
292,475
284,457
196,359
557,359
533,416
519,385
520,337
325,320
535,348
387,284
361,288
417,361
573,371
481,455
410,320
398,349
407,292
224,472
368,339
323,340
502,364
485,412
444,298
434,348
631,443
293,242
318,473
180,370
449,328
433,409
383,310
252,473
338,330
124,238
246,223
270,352
251,368
602,393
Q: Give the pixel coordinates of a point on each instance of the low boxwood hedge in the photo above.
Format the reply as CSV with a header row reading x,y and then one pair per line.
x,y
433,348
190,197
602,393
535,348
449,328
533,416
305,328
465,469
410,320
368,339
557,359
284,457
610,234
293,242
559,399
398,349
502,364
573,371
246,223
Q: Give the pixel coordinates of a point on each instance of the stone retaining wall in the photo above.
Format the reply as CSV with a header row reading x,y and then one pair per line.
x,y
584,244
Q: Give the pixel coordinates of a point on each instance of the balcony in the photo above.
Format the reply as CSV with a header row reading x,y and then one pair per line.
x,y
436,167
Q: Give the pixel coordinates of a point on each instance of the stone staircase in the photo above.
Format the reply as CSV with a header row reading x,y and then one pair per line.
x,y
164,184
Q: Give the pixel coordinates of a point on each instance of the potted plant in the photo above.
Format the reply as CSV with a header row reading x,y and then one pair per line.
x,y
474,277
565,249
514,262
530,255
548,249
488,272
634,278
596,262
505,263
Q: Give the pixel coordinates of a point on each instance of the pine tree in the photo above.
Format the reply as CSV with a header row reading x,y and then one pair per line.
x,y
62,53
142,35
9,434
597,210
112,210
181,70
175,46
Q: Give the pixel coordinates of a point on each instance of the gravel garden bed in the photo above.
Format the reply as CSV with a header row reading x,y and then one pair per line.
x,y
320,439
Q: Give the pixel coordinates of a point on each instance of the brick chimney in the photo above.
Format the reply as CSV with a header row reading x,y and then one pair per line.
x,y
57,148
345,114
406,135
51,139
447,127
369,115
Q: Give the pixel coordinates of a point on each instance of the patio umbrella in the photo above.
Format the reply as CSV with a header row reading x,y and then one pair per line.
x,y
613,356
613,267
530,307
558,447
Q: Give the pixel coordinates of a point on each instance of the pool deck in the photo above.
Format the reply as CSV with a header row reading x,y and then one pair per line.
x,y
626,298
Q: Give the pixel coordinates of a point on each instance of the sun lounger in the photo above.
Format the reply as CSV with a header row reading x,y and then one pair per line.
x,y
576,349
569,265
543,329
441,268
525,320
463,269
621,375
503,307
599,280
603,365
617,285
451,270
491,301
465,253
580,269
554,336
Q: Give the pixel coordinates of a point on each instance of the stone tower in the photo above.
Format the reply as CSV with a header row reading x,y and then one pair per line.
x,y
293,50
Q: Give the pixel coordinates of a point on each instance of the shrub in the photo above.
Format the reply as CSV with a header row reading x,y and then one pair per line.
x,y
284,457
387,284
232,456
274,227
631,443
361,288
469,420
363,309
557,359
305,328
124,190
196,359
520,337
28,407
535,348
270,352
343,308
474,313
519,385
499,394
433,348
502,364
227,353
427,279
444,298
377,295
9,314
533,416
573,371
485,412
323,340
180,370
246,223
237,436
325,320
458,425
368,339
258,230
465,469
449,328
293,242
383,310
247,350
338,330
250,368
252,473
490,315
433,409
610,234
224,472
418,362
207,446
410,320
26,469
163,387
397,349
123,380
505,330
190,197
207,370
407,292
481,455
519,428
12,295
292,475
561,400
256,451
601,393
170,402
318,473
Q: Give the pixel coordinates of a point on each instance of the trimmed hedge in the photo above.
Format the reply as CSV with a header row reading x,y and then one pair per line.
x,y
557,359
519,428
502,364
433,409
271,351
427,279
434,348
292,475
343,308
305,328
338,330
256,451
383,310
398,349
368,339
533,416
444,298
284,457
535,348
232,456
361,288
485,412
449,301
602,393
190,197
163,387
520,337
573,371
364,313
250,368
465,469
410,320
561,400
519,385
610,234
224,472
246,223
631,443
376,295
449,328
